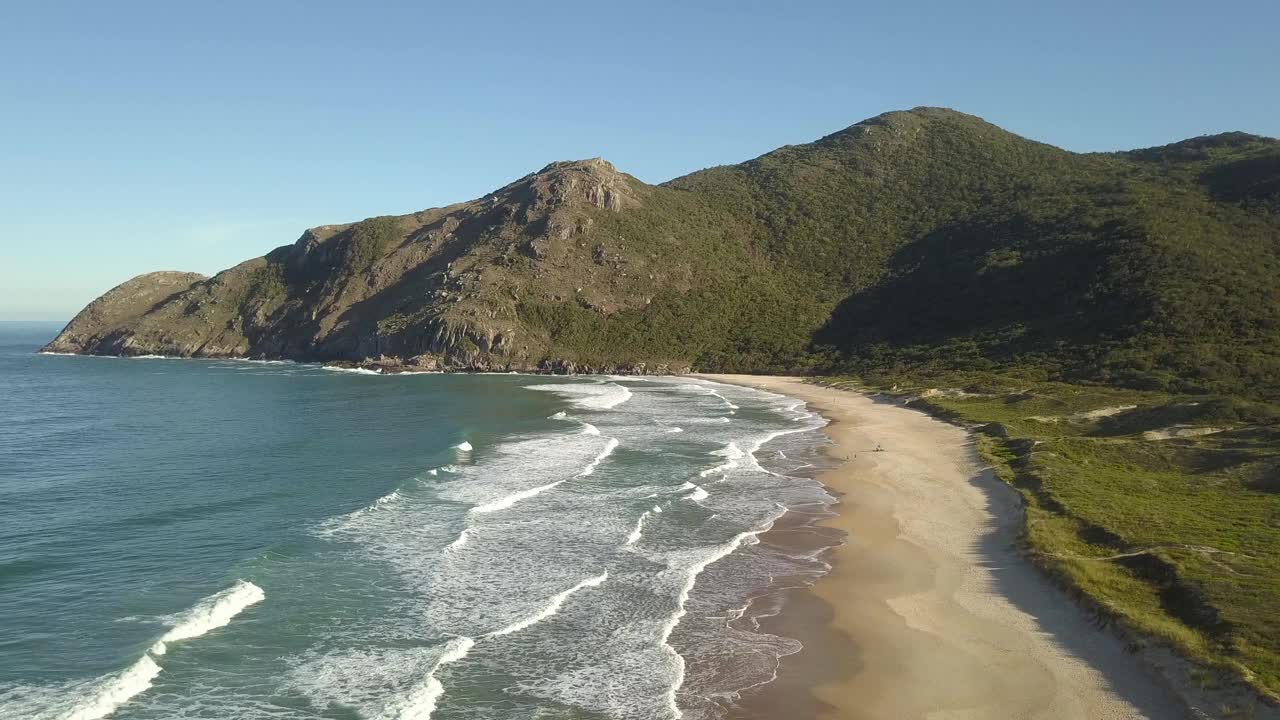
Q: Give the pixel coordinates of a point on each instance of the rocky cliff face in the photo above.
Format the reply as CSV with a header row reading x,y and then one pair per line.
x,y
925,236
435,289
104,326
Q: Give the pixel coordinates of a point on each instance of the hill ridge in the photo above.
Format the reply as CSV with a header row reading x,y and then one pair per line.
x,y
925,237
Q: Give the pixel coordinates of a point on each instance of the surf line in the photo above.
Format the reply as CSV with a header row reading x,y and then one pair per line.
x,y
210,613
505,502
691,579
421,700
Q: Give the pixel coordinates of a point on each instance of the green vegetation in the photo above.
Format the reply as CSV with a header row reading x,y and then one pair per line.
x,y
368,240
951,243
268,283
930,240
925,244
919,241
1170,531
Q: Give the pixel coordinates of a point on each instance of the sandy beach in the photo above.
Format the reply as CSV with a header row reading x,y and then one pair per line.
x,y
930,610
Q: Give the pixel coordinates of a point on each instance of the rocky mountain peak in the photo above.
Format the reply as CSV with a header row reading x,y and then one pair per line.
x,y
594,181
595,165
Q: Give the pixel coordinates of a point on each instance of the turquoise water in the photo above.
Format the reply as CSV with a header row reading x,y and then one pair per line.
x,y
228,539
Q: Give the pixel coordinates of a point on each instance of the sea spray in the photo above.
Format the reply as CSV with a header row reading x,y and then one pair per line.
x,y
211,613
116,690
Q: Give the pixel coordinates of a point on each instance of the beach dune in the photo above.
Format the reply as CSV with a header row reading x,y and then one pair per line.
x,y
931,610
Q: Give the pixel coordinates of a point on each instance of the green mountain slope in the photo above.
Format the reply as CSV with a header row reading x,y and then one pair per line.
x,y
925,238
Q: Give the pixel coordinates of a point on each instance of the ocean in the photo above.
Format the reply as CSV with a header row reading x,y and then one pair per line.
x,y
235,539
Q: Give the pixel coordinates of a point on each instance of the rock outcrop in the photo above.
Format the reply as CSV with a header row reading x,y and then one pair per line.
x,y
923,236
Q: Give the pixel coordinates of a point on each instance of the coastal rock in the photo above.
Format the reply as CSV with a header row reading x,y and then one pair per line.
x,y
918,236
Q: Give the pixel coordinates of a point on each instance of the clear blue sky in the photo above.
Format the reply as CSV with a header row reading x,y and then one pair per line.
x,y
192,135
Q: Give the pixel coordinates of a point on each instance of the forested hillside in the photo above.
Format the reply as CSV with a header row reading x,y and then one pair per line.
x,y
925,239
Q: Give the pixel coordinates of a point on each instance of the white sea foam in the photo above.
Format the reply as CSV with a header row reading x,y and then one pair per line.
x,y
589,429
508,571
724,399
462,540
507,501
342,523
691,579
464,446
355,370
636,533
433,471
675,430
560,415
112,691
609,447
211,613
102,697
732,454
420,701
589,396
50,352
552,607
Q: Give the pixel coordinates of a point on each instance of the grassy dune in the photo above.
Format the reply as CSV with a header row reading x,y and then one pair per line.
x,y
1162,512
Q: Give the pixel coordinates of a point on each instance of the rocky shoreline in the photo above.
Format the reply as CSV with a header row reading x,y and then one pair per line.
x,y
392,365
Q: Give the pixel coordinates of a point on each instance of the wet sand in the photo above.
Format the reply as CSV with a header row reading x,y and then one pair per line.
x,y
930,610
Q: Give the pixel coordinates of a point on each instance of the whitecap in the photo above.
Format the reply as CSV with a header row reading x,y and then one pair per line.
x,y
732,454
507,501
355,370
691,579
420,701
590,396
636,533
609,447
462,540
111,692
102,697
211,613
464,446
552,607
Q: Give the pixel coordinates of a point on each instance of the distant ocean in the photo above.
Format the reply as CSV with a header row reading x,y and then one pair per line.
x,y
231,539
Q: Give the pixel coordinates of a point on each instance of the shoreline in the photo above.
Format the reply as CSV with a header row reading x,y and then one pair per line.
x,y
930,610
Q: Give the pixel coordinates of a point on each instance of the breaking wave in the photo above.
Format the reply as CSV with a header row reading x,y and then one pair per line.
x,y
552,607
588,396
99,698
